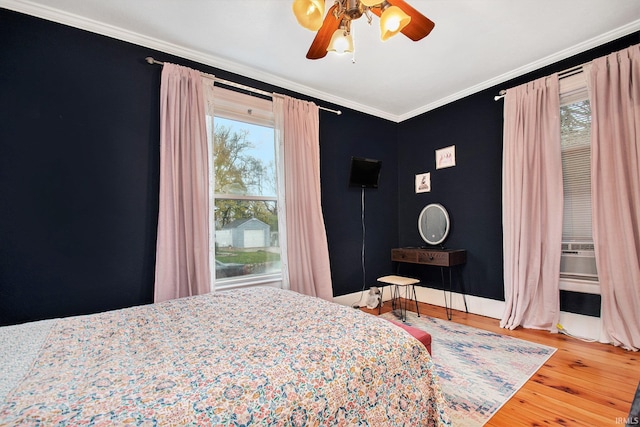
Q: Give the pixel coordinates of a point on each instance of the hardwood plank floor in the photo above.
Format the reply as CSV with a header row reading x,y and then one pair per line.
x,y
582,384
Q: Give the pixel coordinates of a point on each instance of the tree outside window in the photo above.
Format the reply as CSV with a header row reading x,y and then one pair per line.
x,y
245,199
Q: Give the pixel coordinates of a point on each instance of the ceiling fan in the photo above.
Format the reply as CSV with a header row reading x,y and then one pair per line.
x,y
334,31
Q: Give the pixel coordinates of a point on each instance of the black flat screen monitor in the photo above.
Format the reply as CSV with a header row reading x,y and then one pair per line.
x,y
364,173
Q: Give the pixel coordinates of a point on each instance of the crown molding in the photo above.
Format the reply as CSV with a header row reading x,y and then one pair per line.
x,y
55,15
533,66
76,21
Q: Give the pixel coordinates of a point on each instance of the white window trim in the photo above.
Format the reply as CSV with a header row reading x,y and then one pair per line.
x,y
574,88
249,109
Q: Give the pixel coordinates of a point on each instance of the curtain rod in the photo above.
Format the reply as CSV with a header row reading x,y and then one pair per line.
x,y
561,75
152,61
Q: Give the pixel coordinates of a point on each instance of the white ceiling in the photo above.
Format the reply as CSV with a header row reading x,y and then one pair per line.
x,y
476,44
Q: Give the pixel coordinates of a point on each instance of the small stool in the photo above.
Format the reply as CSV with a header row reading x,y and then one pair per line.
x,y
398,282
419,334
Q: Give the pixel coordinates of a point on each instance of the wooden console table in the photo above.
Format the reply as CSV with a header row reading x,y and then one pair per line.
x,y
443,258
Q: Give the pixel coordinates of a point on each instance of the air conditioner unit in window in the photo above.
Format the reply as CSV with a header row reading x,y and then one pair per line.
x,y
578,261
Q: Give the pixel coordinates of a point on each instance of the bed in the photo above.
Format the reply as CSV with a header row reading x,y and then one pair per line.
x,y
258,356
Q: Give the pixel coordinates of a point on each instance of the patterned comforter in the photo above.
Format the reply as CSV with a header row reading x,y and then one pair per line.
x,y
259,356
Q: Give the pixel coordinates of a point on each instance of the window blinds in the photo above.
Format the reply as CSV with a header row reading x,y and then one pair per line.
x,y
575,116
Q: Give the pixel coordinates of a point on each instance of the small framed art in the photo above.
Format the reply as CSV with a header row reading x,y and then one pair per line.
x,y
446,157
423,182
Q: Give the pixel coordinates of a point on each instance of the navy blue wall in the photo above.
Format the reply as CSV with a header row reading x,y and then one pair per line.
x,y
79,162
359,135
472,190
78,171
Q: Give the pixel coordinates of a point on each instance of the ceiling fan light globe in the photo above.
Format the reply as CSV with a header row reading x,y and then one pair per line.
x,y
392,21
341,42
309,13
370,3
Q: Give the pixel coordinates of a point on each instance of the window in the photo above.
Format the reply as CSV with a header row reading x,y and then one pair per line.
x,y
576,171
245,239
578,256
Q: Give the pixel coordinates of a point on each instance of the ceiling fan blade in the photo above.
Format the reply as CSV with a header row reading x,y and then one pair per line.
x,y
419,27
320,43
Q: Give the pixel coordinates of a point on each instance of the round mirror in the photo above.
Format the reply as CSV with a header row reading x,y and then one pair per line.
x,y
433,224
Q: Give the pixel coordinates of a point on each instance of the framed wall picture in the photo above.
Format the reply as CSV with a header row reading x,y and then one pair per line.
x,y
423,182
446,157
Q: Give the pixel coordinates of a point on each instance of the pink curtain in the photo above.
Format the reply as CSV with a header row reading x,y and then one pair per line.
x,y
615,186
532,204
182,252
307,250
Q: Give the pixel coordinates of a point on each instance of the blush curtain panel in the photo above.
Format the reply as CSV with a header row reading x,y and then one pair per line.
x,y
614,83
532,203
182,249
297,127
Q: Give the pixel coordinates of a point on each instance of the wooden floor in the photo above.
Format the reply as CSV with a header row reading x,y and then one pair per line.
x,y
582,384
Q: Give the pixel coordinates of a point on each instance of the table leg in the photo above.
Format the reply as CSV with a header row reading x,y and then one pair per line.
x,y
447,306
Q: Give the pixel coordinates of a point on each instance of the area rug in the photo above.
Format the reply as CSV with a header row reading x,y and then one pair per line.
x,y
479,370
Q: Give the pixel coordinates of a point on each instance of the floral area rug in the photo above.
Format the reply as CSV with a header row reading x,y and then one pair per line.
x,y
479,370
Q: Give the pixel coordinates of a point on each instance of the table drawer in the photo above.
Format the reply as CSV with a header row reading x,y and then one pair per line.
x,y
437,257
404,255
434,258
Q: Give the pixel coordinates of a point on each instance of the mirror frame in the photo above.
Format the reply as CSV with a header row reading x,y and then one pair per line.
x,y
423,214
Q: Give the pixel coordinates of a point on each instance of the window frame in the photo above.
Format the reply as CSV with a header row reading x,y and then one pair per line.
x,y
570,156
255,110
573,89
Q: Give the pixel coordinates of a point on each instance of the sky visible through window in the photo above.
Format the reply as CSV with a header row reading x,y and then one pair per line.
x,y
262,144
260,136
249,249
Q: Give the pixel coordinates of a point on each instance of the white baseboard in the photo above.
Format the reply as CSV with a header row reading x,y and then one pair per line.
x,y
476,305
587,327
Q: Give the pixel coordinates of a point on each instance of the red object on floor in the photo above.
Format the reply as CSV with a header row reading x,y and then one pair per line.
x,y
419,334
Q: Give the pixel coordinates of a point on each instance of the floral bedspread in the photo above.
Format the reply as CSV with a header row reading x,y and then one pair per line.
x,y
259,356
